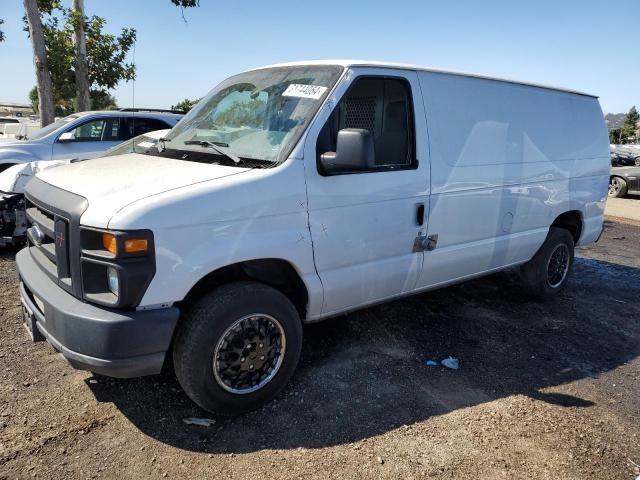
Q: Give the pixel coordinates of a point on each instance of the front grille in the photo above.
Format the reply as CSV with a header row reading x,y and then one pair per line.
x,y
48,239
53,236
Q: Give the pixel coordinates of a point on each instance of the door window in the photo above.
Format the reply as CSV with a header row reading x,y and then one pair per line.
x,y
383,106
102,129
134,126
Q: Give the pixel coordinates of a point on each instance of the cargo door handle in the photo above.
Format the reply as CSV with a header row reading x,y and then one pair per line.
x,y
420,214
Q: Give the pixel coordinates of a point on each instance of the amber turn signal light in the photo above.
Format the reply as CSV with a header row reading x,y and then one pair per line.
x,y
109,242
136,246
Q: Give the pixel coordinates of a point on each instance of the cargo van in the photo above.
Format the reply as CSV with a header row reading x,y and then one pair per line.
x,y
297,192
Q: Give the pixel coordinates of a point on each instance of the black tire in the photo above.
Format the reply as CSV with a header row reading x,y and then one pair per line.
x,y
617,187
539,276
201,333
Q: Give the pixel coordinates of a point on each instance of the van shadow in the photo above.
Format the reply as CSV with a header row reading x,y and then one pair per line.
x,y
364,374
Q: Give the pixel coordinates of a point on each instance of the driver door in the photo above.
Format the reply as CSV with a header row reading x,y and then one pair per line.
x,y
364,224
89,139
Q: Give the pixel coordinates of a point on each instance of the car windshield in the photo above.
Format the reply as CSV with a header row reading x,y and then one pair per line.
x,y
38,134
256,115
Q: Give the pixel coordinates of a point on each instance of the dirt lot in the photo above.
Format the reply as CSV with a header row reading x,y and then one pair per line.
x,y
543,391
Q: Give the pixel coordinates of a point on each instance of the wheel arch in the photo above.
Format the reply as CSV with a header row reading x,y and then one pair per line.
x,y
572,221
275,272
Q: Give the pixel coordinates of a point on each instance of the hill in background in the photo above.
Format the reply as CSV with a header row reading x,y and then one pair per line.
x,y
614,120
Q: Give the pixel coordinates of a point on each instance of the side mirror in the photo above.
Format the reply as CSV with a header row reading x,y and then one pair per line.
x,y
354,151
66,137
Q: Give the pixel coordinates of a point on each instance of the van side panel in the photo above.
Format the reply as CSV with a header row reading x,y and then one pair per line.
x,y
506,160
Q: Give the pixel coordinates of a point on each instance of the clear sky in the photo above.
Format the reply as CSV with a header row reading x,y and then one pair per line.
x,y
586,45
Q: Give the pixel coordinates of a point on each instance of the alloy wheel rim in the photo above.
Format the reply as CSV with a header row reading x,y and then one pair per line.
x,y
249,354
614,186
558,265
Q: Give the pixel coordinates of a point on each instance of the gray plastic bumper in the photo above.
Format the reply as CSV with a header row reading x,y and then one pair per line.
x,y
109,342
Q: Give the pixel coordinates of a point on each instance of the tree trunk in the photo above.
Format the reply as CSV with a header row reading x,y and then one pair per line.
x,y
43,75
83,99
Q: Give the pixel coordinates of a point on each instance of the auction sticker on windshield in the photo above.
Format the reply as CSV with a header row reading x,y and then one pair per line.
x,y
304,91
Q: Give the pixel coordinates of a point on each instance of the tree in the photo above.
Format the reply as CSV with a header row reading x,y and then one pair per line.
x,y
632,118
2,37
105,56
77,18
43,75
185,105
186,3
100,100
615,135
627,133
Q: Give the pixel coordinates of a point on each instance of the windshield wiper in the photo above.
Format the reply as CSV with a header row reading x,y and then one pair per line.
x,y
216,147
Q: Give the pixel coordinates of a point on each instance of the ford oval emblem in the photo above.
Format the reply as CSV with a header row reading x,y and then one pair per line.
x,y
36,235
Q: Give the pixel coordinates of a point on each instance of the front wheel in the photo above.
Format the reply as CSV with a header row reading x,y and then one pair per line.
x,y
237,348
546,274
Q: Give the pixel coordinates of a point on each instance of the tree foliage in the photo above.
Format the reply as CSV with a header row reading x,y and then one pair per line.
x,y
186,3
100,100
627,133
632,118
106,54
2,37
185,105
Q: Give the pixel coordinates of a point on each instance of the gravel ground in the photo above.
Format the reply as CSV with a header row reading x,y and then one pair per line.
x,y
544,390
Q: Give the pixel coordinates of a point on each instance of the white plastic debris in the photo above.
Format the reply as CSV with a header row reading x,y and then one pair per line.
x,y
451,363
201,422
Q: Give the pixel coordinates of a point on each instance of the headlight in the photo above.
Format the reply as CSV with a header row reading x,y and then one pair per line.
x,y
112,280
117,265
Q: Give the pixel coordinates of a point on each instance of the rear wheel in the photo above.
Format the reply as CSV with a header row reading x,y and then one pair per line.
x,y
546,274
237,348
617,187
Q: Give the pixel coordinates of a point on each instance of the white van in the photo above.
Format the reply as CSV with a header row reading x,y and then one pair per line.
x,y
297,192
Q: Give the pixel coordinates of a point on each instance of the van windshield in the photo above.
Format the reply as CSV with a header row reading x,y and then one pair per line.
x,y
257,115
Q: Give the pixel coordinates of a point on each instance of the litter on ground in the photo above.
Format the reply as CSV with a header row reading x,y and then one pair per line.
x,y
201,422
451,363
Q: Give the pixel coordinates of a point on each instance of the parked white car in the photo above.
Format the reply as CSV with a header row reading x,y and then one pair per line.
x,y
298,192
84,135
13,220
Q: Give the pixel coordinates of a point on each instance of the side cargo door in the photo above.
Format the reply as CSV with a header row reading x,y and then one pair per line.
x,y
364,224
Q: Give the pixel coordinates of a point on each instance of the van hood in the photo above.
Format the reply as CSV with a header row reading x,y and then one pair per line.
x,y
111,183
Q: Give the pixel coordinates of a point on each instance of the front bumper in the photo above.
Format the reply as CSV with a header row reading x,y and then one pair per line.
x,y
109,342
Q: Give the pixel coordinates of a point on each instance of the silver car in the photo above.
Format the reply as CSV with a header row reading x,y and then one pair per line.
x,y
13,220
85,135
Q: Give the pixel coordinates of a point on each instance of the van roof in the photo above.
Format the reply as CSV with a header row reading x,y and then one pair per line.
x,y
401,66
